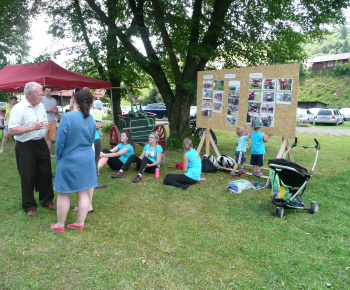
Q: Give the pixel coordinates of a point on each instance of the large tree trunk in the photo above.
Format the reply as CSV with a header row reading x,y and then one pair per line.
x,y
116,95
179,116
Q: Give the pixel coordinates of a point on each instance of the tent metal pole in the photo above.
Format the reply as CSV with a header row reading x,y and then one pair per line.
x,y
112,105
61,98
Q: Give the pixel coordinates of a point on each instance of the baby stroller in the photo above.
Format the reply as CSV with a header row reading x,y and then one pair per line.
x,y
289,181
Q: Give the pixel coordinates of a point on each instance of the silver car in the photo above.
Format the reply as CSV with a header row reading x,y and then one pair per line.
x,y
329,116
346,113
305,115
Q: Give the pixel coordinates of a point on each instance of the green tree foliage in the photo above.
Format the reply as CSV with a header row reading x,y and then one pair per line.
x,y
334,41
15,16
100,52
179,38
153,96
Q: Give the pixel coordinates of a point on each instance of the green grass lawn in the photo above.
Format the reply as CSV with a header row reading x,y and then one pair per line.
x,y
152,236
345,126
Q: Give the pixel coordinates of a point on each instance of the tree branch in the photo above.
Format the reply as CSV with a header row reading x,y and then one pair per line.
x,y
92,52
159,16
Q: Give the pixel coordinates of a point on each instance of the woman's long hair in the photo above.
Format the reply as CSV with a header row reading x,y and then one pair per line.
x,y
84,100
130,140
156,136
187,144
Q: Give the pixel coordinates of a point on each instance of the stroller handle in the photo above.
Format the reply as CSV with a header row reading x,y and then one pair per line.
x,y
295,142
318,146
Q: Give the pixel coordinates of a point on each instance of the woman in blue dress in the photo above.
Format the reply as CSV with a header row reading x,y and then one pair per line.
x,y
75,159
192,168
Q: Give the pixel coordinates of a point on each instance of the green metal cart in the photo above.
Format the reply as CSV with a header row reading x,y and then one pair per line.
x,y
140,124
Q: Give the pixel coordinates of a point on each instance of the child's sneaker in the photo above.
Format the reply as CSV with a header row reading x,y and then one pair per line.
x,y
241,171
232,174
257,174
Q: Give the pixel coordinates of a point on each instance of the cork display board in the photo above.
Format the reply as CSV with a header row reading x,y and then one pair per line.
x,y
230,98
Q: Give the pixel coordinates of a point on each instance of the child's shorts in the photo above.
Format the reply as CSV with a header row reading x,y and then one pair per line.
x,y
257,159
240,157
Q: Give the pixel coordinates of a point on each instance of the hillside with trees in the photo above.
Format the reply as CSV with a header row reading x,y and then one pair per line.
x,y
336,41
332,87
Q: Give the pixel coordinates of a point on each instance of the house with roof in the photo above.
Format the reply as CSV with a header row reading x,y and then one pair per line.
x,y
327,62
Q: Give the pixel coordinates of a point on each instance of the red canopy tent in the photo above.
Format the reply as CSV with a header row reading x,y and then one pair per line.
x,y
13,78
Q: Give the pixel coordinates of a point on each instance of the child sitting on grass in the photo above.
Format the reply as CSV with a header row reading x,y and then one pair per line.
x,y
243,137
258,148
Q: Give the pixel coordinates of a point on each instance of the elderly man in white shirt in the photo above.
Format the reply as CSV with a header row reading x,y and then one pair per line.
x,y
28,123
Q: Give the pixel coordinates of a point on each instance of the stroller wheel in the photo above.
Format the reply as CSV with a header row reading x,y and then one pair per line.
x,y
275,211
313,207
278,211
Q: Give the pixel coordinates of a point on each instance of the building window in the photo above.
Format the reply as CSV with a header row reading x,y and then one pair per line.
x,y
324,64
340,62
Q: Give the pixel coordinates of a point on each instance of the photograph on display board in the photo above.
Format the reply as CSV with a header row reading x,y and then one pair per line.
x,y
218,85
254,95
232,109
233,99
217,107
232,120
251,117
207,94
218,95
254,107
206,113
255,84
206,105
269,84
267,108
285,84
284,98
268,96
267,120
234,86
208,85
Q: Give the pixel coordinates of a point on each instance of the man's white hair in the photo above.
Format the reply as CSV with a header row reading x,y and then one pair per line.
x,y
29,88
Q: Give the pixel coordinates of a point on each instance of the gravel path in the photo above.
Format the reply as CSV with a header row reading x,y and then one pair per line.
x,y
313,130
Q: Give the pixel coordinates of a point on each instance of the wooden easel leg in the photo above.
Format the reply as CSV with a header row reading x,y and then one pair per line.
x,y
200,145
214,146
207,141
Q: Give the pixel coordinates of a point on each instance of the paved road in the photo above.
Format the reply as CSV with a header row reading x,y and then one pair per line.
x,y
313,130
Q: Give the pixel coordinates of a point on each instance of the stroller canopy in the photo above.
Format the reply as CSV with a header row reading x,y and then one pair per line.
x,y
289,164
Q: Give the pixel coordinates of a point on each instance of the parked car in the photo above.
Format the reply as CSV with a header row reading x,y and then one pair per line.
x,y
158,108
193,111
65,108
305,115
329,116
60,110
346,113
125,109
315,110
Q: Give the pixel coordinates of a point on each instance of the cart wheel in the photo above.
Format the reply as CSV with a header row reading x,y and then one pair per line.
x,y
114,136
313,207
162,136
